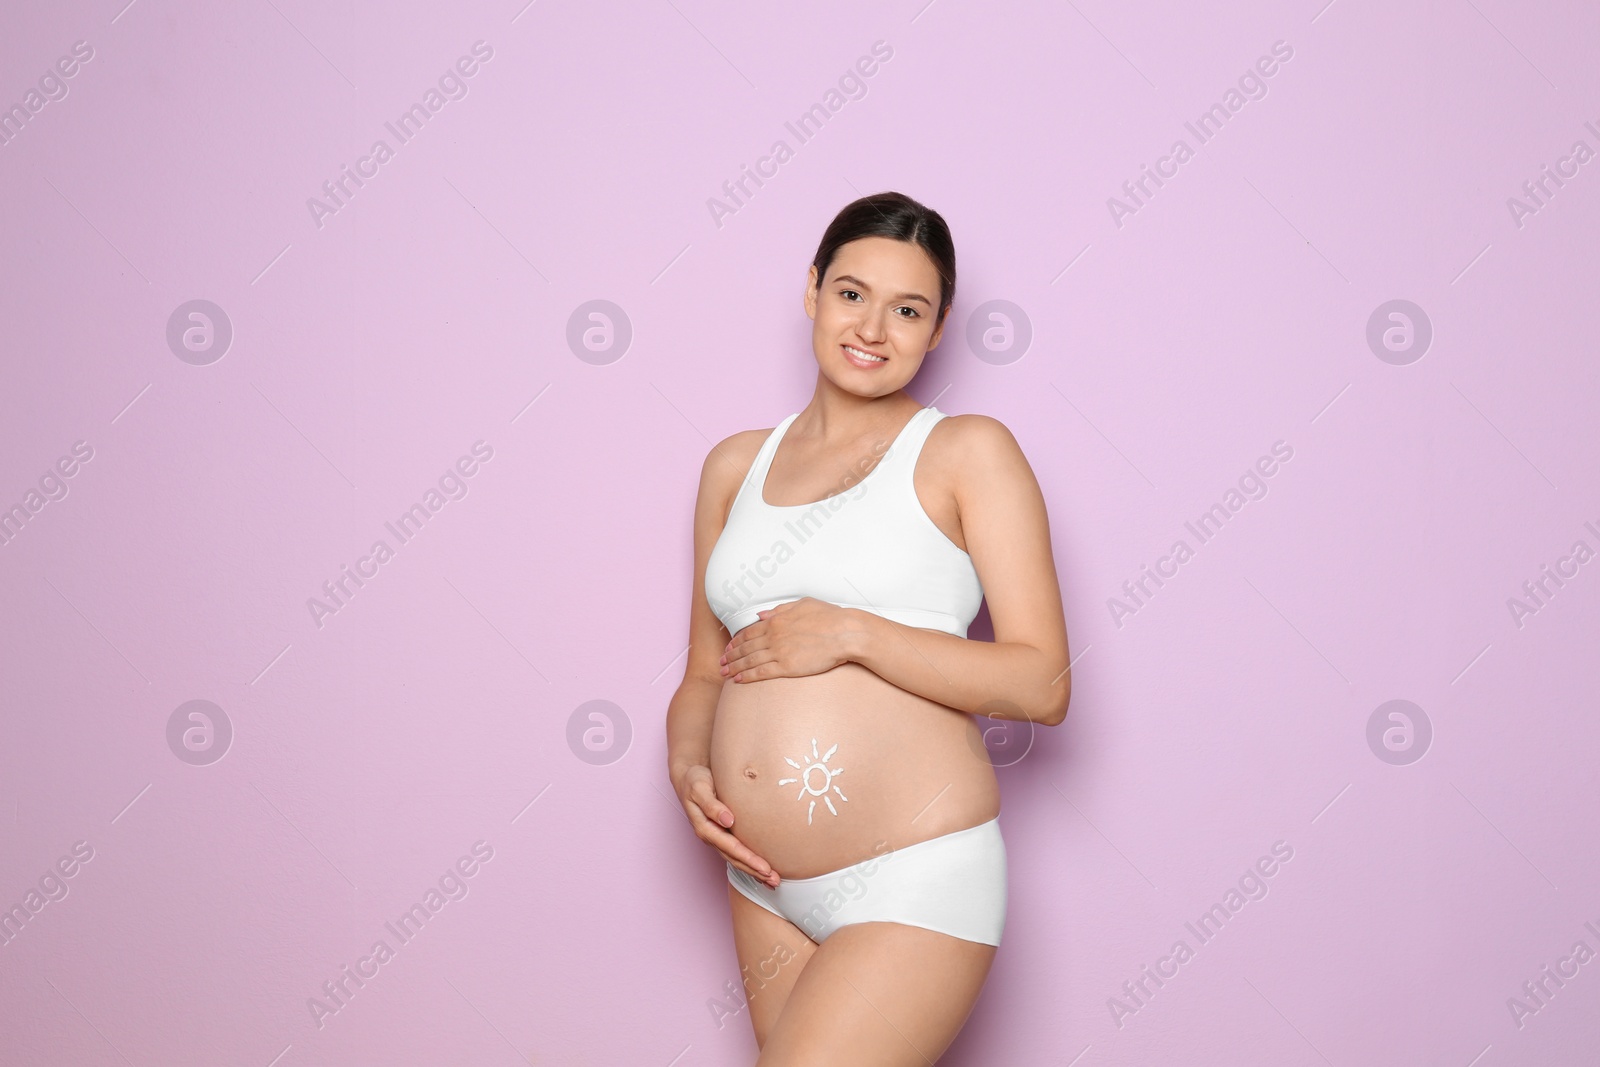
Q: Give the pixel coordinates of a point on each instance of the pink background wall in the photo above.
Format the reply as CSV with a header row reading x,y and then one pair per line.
x,y
354,757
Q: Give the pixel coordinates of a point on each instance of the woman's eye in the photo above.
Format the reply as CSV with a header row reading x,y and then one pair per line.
x,y
849,294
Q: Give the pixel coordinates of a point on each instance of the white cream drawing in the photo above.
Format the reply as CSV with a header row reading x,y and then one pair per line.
x,y
817,766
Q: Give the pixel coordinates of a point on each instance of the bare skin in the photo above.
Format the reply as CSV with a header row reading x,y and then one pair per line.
x,y
877,992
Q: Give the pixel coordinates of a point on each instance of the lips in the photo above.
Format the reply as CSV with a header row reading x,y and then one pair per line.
x,y
857,357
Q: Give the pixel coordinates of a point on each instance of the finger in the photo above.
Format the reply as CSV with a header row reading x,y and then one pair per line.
x,y
741,856
706,814
736,851
712,808
733,850
753,643
759,667
770,880
724,841
748,657
703,793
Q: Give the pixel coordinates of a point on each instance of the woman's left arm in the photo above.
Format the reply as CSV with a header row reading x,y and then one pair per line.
x,y
1022,674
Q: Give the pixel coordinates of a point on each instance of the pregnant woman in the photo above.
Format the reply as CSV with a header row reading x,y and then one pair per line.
x,y
824,738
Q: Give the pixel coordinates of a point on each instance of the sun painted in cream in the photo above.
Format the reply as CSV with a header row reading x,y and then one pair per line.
x,y
816,779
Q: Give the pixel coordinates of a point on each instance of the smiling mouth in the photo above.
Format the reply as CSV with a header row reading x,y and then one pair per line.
x,y
863,359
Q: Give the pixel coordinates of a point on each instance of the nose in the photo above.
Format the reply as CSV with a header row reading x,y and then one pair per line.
x,y
871,327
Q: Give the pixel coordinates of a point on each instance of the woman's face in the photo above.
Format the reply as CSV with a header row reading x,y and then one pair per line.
x,y
880,298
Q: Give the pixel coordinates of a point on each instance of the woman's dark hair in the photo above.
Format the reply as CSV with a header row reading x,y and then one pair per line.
x,y
897,216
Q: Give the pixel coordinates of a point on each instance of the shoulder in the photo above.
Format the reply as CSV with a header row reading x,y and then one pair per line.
x,y
977,456
726,465
979,441
735,454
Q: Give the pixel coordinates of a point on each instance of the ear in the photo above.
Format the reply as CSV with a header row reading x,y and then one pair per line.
x,y
810,299
933,342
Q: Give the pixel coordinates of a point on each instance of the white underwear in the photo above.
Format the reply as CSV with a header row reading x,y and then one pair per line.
x,y
954,884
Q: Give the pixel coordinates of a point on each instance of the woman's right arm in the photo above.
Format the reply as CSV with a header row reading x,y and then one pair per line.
x,y
694,705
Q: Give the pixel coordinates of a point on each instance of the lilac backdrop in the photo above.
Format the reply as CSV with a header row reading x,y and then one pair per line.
x,y
1354,264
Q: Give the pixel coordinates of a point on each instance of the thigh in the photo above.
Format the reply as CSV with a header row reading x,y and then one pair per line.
x,y
772,953
879,994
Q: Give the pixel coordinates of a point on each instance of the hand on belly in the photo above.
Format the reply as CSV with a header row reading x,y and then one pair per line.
x,y
826,770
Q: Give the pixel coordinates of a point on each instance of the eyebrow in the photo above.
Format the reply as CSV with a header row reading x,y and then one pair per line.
x,y
863,285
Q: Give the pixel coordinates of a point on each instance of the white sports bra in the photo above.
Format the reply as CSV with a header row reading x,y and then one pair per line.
x,y
871,547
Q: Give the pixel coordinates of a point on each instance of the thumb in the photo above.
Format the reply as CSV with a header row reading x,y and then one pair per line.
x,y
709,800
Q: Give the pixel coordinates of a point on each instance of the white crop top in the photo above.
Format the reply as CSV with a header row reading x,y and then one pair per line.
x,y
871,547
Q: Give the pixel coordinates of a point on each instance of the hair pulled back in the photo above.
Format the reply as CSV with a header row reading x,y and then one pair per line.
x,y
901,218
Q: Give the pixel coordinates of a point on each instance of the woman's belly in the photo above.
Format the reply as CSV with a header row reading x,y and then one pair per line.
x,y
824,771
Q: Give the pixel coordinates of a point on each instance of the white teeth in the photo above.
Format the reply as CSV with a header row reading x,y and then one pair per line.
x,y
866,355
